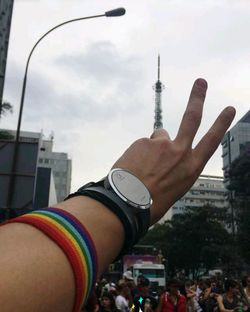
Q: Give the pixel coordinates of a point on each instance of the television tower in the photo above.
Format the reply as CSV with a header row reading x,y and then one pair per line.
x,y
158,87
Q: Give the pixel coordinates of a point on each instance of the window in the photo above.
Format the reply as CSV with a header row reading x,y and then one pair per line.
x,y
153,273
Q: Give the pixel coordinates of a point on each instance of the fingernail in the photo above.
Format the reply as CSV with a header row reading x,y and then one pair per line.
x,y
201,83
231,110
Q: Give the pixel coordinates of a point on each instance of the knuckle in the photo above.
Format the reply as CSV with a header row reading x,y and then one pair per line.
x,y
193,115
143,141
180,150
163,145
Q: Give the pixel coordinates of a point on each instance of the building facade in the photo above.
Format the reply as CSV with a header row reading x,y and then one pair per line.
x,y
59,163
235,142
207,190
6,8
61,167
31,187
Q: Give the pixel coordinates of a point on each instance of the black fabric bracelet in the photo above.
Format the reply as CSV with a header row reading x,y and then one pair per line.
x,y
120,209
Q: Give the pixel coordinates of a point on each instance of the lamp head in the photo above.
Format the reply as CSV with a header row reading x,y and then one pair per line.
x,y
115,12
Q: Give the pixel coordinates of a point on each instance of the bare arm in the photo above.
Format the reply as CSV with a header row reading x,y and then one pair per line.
x,y
221,305
35,273
160,305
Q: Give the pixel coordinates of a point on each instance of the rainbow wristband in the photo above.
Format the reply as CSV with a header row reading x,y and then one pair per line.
x,y
73,238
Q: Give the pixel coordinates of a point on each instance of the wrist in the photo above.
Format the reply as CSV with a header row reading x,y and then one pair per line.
x,y
127,198
102,225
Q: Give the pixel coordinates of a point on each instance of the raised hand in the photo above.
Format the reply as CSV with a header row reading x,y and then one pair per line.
x,y
170,167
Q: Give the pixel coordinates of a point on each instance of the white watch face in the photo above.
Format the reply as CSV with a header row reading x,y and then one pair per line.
x,y
129,188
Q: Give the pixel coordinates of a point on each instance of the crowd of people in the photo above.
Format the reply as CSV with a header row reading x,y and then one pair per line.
x,y
206,295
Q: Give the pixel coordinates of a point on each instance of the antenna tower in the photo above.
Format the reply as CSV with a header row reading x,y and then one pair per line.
x,y
158,87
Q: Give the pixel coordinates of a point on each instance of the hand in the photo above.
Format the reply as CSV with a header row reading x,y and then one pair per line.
x,y
170,167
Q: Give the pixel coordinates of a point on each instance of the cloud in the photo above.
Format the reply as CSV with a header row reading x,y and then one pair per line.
x,y
102,63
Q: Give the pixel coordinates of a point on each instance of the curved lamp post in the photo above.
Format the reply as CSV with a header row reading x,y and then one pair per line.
x,y
112,13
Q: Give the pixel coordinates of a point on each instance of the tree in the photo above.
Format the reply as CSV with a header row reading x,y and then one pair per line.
x,y
192,242
5,107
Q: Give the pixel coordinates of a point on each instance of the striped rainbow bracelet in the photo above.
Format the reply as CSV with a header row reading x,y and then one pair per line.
x,y
73,238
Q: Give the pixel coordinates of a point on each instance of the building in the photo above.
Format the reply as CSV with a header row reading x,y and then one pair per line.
x,y
30,187
59,163
6,8
235,142
207,190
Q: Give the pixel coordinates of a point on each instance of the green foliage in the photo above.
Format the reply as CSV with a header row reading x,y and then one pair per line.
x,y
243,229
5,135
192,241
5,107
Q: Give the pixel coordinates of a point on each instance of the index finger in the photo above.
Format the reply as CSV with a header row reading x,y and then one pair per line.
x,y
192,117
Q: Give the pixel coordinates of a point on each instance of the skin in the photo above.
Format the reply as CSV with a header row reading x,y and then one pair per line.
x,y
248,286
35,273
170,167
230,294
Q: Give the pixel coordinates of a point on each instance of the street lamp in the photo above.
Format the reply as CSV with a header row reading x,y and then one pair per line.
x,y
112,13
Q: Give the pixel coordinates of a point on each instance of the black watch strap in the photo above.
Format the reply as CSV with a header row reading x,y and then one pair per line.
x,y
118,207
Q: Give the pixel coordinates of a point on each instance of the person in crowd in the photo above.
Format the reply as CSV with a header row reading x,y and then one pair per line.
x,y
99,287
107,303
172,300
208,298
215,288
229,301
51,258
247,287
92,304
128,279
110,287
142,300
190,294
123,299
198,291
127,276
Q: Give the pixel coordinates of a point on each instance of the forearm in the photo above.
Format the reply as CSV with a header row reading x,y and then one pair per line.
x,y
104,227
225,310
222,307
36,274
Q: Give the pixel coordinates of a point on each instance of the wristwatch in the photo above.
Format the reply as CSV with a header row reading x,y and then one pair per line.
x,y
127,197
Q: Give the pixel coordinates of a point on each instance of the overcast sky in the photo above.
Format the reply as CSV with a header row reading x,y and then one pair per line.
x,y
90,82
